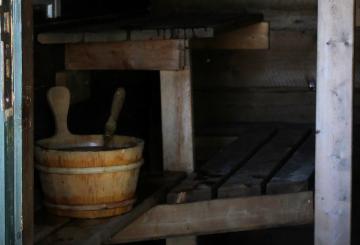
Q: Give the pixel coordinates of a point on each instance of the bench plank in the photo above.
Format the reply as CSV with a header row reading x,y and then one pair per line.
x,y
204,184
252,177
296,174
220,216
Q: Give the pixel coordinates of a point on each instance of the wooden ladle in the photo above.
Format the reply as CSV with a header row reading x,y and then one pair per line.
x,y
59,101
117,105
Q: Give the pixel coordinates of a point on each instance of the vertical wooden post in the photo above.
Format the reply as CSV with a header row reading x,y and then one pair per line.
x,y
334,122
177,126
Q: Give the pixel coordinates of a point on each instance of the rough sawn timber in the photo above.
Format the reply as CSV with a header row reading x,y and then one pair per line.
x,y
334,122
220,216
128,55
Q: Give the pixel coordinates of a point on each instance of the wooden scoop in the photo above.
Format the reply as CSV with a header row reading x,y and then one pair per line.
x,y
117,105
59,101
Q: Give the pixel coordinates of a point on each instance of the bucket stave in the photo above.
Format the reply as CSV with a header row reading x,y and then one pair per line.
x,y
80,175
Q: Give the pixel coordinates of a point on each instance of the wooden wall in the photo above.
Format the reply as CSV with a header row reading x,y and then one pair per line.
x,y
257,85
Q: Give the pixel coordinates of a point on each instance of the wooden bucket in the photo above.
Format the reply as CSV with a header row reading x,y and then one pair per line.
x,y
81,179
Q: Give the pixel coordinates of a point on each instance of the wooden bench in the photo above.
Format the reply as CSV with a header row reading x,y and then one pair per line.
x,y
228,193
263,179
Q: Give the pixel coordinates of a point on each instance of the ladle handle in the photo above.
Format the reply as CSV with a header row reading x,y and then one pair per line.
x,y
59,101
117,105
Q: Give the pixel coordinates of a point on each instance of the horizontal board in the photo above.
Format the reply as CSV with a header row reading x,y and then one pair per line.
x,y
220,216
124,35
296,174
230,5
147,27
140,55
254,36
253,68
208,146
253,176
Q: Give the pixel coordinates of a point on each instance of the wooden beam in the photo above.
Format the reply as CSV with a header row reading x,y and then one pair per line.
x,y
220,216
254,36
177,127
177,121
335,75
128,55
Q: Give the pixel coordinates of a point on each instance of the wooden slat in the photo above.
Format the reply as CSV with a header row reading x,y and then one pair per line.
x,y
262,105
185,240
177,120
171,6
124,35
140,55
95,232
296,174
220,216
147,28
334,122
204,185
255,36
252,177
207,146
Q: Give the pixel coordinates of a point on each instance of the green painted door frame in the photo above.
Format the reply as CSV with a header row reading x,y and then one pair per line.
x,y
11,122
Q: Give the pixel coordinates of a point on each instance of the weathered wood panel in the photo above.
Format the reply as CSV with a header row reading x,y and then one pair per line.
x,y
335,75
147,27
177,120
255,36
208,146
296,174
204,184
254,106
253,68
220,216
230,5
140,55
185,240
252,177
